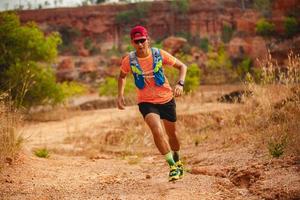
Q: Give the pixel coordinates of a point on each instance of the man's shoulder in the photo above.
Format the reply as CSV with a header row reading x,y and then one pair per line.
x,y
125,56
125,60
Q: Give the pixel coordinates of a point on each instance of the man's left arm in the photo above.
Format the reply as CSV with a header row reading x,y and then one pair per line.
x,y
178,90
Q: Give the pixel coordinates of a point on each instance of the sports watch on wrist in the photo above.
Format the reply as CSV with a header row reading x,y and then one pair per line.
x,y
181,83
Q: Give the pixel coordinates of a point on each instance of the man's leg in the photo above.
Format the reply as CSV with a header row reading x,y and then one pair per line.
x,y
171,132
170,128
153,121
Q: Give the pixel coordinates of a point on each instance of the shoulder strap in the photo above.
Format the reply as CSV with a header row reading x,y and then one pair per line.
x,y
134,64
156,55
132,58
157,60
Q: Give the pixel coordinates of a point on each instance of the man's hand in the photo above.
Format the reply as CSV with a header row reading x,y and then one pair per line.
x,y
121,102
178,90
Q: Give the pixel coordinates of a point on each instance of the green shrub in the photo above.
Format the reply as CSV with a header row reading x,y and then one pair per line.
x,y
227,33
113,51
32,84
137,15
42,153
71,89
204,44
25,56
276,148
127,41
264,28
185,35
193,77
100,1
158,45
180,6
219,68
110,86
291,27
95,50
244,67
219,59
172,75
88,43
68,35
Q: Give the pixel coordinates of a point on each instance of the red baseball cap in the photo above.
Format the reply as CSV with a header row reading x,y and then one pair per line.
x,y
138,32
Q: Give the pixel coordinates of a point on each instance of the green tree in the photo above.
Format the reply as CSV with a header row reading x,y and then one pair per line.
x,y
291,26
25,56
204,43
137,15
227,33
180,6
264,28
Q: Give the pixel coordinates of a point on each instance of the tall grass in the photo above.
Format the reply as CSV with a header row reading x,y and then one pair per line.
x,y
274,111
10,140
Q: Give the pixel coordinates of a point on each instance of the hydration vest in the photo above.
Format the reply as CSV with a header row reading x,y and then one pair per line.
x,y
139,75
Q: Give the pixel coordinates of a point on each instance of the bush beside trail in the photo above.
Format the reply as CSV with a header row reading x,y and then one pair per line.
x,y
26,56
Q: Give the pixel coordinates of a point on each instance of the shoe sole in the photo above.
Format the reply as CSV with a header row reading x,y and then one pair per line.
x,y
174,178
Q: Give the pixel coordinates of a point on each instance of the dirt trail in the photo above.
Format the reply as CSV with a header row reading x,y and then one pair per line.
x,y
53,133
213,173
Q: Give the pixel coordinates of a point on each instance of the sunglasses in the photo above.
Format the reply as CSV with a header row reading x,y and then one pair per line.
x,y
139,41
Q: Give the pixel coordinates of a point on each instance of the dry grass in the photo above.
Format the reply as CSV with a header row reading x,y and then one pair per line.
x,y
10,140
274,111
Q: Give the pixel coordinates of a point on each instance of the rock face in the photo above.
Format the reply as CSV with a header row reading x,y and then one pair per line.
x,y
205,18
247,21
66,70
252,47
174,44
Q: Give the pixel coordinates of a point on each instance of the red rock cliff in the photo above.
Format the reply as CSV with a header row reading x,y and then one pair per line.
x,y
205,18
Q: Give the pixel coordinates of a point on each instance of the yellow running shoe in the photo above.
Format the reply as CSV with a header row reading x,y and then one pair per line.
x,y
179,165
174,173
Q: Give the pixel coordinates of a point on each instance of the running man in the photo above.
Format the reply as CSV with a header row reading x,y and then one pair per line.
x,y
155,96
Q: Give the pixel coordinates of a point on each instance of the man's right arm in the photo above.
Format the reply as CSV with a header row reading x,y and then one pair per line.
x,y
121,87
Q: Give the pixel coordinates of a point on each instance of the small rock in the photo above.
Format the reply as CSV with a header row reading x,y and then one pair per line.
x,y
8,181
8,160
148,176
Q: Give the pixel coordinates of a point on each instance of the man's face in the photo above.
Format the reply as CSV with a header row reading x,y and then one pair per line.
x,y
140,45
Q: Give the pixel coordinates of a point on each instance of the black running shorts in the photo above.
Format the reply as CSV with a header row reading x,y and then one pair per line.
x,y
166,111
